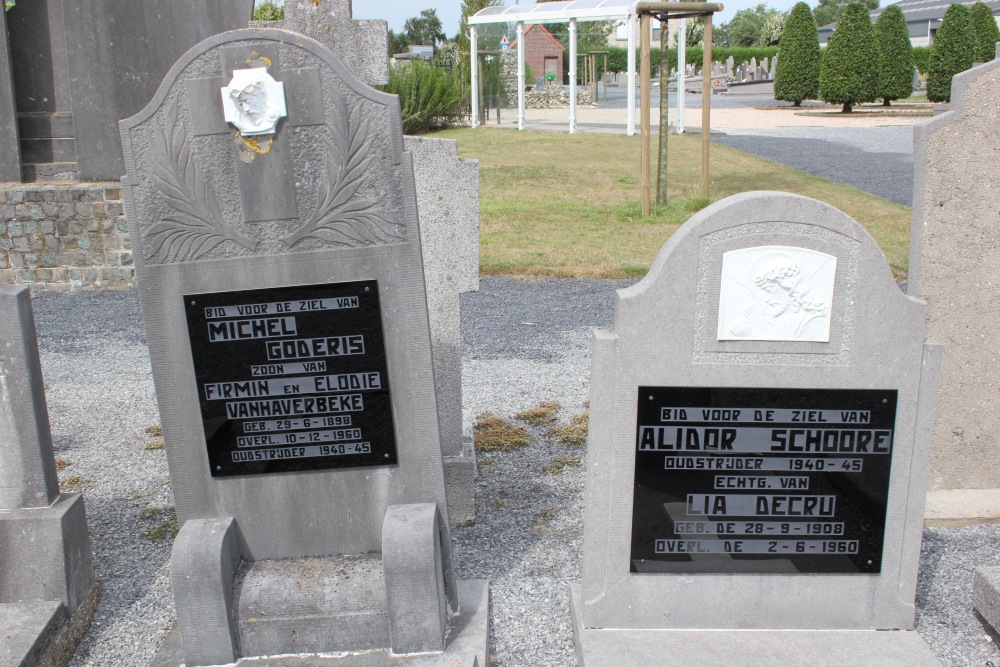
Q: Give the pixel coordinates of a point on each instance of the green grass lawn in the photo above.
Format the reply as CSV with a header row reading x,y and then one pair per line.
x,y
554,204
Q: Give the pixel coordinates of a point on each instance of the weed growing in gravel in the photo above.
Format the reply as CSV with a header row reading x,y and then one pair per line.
x,y
142,495
545,413
155,445
75,483
62,463
494,434
151,512
155,430
548,513
561,463
573,434
165,529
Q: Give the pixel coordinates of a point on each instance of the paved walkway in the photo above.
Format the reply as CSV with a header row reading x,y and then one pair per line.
x,y
874,153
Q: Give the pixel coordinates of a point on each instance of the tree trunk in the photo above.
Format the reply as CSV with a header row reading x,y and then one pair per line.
x,y
661,170
848,107
885,102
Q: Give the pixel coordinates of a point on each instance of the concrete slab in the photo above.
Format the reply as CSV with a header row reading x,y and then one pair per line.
x,y
25,630
468,643
986,595
747,648
962,507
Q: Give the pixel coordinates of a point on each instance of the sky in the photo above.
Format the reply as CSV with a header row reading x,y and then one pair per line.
x,y
449,11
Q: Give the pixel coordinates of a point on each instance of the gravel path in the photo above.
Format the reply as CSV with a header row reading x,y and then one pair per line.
x,y
524,342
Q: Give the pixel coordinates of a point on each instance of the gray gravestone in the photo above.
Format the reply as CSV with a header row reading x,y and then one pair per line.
x,y
10,149
327,469
362,45
46,572
79,67
759,438
954,219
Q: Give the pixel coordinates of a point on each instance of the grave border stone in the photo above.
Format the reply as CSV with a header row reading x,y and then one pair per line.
x,y
648,348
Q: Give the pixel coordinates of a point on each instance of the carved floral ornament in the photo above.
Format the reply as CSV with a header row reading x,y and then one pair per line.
x,y
193,224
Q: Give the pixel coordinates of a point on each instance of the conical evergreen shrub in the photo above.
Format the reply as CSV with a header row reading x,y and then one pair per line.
x,y
797,75
951,52
895,72
987,33
849,74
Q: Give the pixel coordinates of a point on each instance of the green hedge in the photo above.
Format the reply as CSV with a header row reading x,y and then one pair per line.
x,y
618,56
922,58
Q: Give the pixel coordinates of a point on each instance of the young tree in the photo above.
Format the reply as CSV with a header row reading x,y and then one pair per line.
x,y
797,75
850,65
470,8
758,26
895,72
425,29
987,33
951,52
830,11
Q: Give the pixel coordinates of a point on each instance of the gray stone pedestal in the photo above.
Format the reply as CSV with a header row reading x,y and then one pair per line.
x,y
747,648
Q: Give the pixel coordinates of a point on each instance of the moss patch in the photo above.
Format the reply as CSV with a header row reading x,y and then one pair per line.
x,y
545,413
494,434
573,434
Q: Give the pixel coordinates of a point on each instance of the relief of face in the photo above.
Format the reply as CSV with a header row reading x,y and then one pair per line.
x,y
252,102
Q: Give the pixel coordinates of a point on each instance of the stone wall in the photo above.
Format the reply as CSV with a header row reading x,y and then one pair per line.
x,y
552,97
67,234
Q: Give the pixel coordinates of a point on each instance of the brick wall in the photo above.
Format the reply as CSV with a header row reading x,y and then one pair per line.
x,y
539,43
67,234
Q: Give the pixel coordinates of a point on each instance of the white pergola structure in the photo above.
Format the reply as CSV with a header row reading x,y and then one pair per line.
x,y
637,13
556,12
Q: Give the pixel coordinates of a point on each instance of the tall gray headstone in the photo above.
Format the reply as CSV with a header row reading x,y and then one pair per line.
x,y
954,218
46,571
92,63
758,449
10,149
328,466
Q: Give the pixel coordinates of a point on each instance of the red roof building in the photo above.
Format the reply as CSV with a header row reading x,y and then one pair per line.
x,y
542,52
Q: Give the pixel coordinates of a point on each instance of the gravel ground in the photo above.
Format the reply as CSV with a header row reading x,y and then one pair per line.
x,y
524,342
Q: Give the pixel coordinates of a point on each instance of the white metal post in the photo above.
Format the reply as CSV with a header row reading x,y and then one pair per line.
x,y
474,68
630,78
572,76
681,73
520,75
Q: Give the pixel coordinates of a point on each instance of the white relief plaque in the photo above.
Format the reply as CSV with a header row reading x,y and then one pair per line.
x,y
254,102
776,293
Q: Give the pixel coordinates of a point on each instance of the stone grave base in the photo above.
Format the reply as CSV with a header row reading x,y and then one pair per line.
x,y
986,595
40,634
468,643
746,648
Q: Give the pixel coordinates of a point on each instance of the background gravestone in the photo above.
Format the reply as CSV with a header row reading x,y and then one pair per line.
x,y
255,482
81,66
956,217
759,437
46,571
10,150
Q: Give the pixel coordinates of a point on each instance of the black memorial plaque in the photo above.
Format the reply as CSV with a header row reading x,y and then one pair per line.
x,y
292,378
761,480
